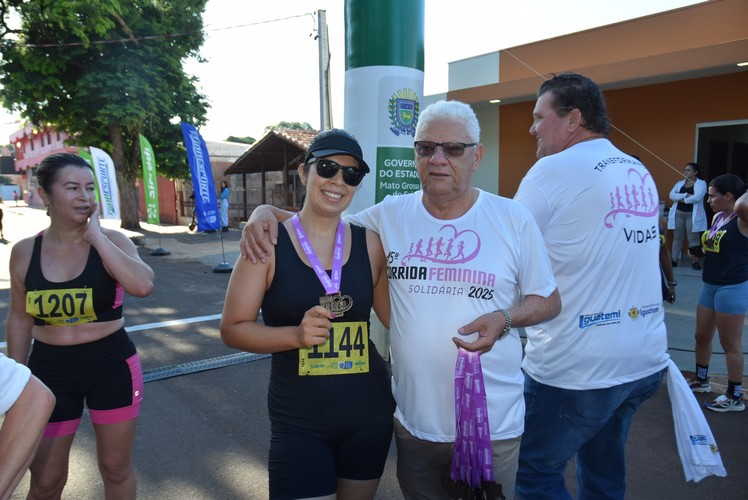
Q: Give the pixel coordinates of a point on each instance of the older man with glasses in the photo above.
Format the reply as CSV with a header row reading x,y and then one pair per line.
x,y
466,268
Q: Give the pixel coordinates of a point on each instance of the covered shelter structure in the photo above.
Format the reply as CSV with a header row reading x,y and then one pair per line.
x,y
266,172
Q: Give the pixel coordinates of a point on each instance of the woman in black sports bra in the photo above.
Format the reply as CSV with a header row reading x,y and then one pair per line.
x,y
67,286
329,397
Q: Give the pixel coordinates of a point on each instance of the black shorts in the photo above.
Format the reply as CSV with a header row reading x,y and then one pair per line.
x,y
106,374
303,465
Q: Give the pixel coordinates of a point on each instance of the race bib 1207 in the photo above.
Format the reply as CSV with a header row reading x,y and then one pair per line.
x,y
68,306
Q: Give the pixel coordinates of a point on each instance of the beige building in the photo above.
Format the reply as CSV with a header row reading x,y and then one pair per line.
x,y
674,84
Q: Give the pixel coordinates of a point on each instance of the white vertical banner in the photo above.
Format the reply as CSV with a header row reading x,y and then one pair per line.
x,y
106,179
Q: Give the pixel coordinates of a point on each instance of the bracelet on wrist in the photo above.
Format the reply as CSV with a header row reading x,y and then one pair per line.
x,y
672,283
507,323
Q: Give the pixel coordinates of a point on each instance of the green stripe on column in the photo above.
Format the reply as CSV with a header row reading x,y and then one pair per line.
x,y
384,33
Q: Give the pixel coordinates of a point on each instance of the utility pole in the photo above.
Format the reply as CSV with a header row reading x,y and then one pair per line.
x,y
325,114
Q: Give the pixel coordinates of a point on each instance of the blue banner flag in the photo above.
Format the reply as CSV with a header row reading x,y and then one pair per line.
x,y
206,205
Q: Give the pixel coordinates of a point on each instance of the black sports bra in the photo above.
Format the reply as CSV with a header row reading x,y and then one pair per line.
x,y
93,296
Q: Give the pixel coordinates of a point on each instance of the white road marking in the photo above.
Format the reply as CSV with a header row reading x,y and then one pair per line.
x,y
160,324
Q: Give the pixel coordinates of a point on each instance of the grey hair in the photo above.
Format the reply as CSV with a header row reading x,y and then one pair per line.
x,y
451,110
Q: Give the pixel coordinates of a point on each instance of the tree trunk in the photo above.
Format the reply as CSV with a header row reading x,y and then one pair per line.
x,y
128,199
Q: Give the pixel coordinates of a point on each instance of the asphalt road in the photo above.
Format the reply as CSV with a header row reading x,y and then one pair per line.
x,y
203,432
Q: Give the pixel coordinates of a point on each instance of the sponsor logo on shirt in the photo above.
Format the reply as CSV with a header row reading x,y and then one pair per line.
x,y
644,311
698,439
598,319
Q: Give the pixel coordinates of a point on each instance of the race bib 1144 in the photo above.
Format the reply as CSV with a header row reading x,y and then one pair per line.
x,y
346,351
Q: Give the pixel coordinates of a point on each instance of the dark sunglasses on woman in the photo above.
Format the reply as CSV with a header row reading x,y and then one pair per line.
x,y
328,169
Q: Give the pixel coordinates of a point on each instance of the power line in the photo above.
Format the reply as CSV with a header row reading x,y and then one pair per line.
x,y
612,125
312,15
158,37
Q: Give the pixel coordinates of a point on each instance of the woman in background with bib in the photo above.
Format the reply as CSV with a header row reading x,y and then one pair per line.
x,y
67,285
329,397
723,301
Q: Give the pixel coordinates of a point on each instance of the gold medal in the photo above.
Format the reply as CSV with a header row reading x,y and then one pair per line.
x,y
336,303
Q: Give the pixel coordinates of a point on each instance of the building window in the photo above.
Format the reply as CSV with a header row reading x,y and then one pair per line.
x,y
31,141
59,137
41,139
49,137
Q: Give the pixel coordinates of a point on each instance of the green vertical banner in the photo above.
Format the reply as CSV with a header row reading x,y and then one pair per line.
x,y
383,91
150,181
87,156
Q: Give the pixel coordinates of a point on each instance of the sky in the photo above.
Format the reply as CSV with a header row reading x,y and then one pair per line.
x,y
262,59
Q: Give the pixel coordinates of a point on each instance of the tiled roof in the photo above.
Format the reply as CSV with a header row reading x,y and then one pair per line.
x,y
276,150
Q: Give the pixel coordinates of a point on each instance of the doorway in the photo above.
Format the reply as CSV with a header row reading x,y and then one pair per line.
x,y
722,148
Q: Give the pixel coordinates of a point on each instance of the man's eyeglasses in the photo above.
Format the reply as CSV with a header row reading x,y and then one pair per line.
x,y
451,149
328,169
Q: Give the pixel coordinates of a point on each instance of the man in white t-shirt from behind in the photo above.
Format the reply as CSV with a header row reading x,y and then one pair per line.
x,y
589,368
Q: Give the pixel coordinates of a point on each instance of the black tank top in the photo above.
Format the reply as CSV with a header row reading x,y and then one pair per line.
x,y
93,296
294,290
726,255
682,205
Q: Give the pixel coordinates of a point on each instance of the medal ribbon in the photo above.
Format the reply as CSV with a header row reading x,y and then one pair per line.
x,y
472,461
719,223
331,283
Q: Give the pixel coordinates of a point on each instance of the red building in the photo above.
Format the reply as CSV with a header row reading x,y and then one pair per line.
x,y
33,144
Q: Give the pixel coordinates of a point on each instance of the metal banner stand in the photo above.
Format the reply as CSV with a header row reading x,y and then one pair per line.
x,y
223,267
160,251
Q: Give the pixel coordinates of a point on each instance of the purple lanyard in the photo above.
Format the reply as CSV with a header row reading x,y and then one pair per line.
x,y
472,462
719,223
331,283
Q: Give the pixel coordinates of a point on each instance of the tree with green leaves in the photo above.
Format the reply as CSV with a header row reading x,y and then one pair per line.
x,y
290,125
241,140
106,71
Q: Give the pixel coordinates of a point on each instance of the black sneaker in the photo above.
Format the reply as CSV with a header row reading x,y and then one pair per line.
x,y
698,385
696,266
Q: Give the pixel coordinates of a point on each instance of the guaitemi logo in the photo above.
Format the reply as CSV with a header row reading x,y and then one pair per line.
x,y
698,439
404,109
601,318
